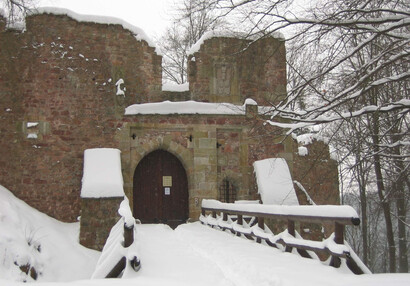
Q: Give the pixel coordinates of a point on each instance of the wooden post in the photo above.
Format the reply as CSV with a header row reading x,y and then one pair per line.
x,y
261,225
291,231
214,214
117,269
203,213
339,239
240,222
224,216
128,235
339,233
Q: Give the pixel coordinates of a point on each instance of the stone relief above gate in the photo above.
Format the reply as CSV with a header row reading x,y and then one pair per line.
x,y
223,78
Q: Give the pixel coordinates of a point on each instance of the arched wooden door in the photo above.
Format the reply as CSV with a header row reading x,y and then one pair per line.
x,y
160,190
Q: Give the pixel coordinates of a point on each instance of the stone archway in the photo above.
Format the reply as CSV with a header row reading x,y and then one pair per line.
x,y
160,189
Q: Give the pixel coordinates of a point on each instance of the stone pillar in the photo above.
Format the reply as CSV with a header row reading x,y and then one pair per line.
x,y
98,216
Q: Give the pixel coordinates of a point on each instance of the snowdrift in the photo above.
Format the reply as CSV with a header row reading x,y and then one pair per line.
x,y
36,246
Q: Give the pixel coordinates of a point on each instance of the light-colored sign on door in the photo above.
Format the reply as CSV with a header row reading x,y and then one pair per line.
x,y
167,181
167,191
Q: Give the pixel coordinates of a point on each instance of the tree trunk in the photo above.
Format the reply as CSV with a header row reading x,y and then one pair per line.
x,y
381,192
401,207
363,206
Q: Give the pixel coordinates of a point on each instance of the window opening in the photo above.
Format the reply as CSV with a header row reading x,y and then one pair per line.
x,y
227,191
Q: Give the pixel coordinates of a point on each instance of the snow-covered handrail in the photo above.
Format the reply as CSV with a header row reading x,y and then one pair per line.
x,y
335,246
344,215
119,252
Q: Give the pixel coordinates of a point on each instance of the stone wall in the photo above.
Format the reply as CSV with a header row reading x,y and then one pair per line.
x,y
61,74
58,97
97,218
318,174
231,70
222,147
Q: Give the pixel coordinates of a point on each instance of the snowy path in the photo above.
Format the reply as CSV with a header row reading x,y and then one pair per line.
x,y
165,256
194,254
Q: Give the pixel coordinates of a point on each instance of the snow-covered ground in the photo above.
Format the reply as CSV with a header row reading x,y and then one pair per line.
x,y
29,237
193,254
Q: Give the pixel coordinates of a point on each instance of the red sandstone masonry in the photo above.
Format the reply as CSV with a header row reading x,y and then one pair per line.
x,y
259,69
63,73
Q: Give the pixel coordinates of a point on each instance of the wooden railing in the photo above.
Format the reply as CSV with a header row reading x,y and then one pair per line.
x,y
121,264
232,217
119,247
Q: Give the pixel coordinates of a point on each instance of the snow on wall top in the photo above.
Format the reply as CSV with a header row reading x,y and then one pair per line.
x,y
175,87
102,175
138,33
306,139
184,107
275,182
192,107
225,34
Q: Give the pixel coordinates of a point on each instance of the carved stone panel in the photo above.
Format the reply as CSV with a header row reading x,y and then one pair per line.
x,y
224,77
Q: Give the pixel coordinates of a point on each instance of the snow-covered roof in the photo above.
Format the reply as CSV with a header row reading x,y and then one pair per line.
x,y
102,176
136,31
192,107
274,181
225,34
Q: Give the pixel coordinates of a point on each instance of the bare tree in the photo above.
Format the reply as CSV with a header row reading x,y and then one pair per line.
x,y
359,72
327,29
16,9
193,19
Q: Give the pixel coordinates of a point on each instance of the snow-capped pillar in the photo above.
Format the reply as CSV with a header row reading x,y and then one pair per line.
x,y
101,195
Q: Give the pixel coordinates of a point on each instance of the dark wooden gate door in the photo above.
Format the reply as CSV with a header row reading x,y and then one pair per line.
x,y
160,190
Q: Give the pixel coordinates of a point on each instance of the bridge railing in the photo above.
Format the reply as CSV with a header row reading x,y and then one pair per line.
x,y
119,252
227,216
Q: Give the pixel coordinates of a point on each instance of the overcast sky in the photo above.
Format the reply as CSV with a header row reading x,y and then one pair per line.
x,y
151,15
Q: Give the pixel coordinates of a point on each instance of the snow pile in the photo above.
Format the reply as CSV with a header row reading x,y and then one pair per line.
x,y
126,213
175,87
274,182
102,175
43,247
118,85
138,33
303,151
308,138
